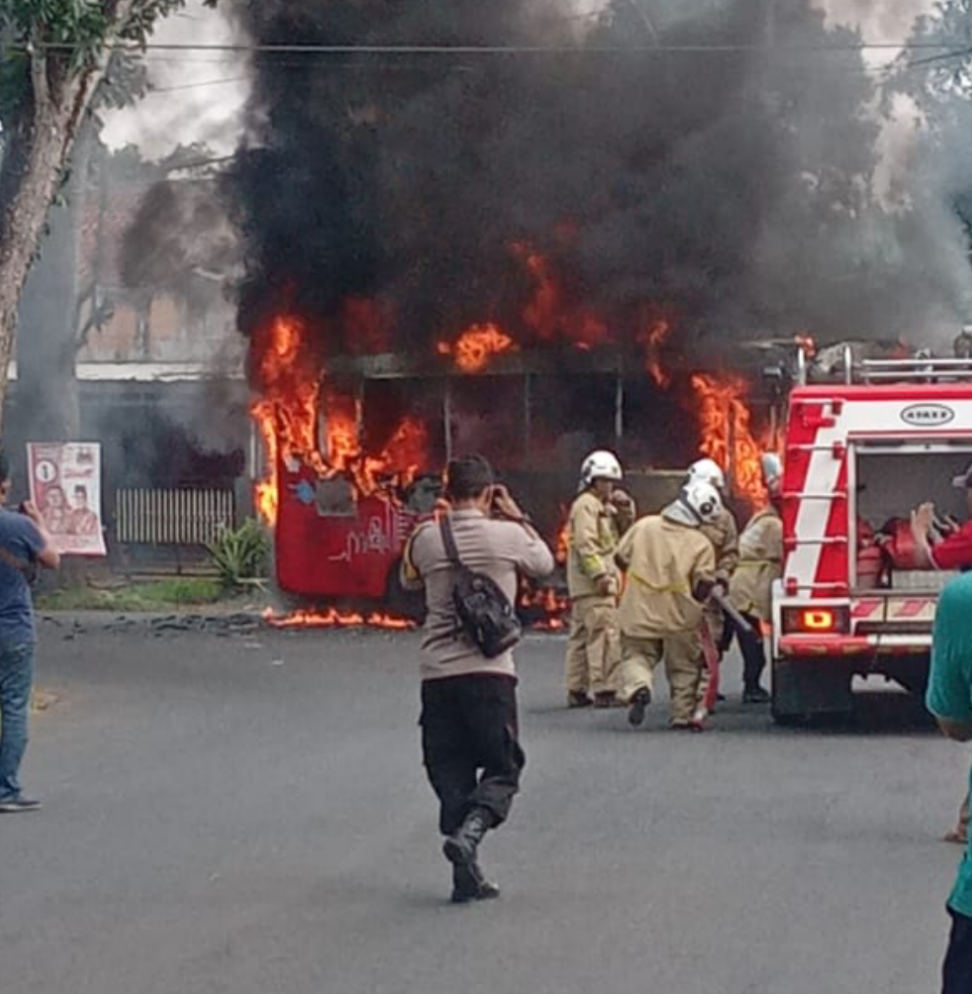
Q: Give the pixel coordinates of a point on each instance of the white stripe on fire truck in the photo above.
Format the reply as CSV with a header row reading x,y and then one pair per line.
x,y
810,527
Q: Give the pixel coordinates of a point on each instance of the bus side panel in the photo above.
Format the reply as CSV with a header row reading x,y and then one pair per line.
x,y
337,556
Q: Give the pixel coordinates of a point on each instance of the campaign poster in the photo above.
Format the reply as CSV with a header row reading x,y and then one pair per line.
x,y
65,484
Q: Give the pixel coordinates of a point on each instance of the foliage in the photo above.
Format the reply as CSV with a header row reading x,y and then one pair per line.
x,y
156,595
240,554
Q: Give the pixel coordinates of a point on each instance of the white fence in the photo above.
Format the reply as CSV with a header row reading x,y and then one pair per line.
x,y
171,517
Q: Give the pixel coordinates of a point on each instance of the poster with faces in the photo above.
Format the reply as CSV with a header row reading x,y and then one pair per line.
x,y
65,484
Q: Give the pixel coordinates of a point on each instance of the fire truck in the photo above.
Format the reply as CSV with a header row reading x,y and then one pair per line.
x,y
860,454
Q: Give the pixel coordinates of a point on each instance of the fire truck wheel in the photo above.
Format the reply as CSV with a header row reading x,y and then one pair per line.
x,y
804,689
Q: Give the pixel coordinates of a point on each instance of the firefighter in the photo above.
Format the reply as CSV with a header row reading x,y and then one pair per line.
x,y
724,536
670,568
760,563
599,516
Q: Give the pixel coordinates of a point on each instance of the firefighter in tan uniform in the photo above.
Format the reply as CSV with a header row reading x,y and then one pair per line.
x,y
750,590
598,517
723,533
670,568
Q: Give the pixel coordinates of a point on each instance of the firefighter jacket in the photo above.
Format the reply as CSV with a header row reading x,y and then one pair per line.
x,y
760,563
594,528
664,561
724,536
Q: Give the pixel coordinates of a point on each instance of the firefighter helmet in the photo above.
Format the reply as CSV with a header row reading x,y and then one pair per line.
x,y
772,469
708,471
698,503
600,465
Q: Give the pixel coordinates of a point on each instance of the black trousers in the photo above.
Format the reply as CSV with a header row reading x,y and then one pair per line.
x,y
751,646
957,968
469,745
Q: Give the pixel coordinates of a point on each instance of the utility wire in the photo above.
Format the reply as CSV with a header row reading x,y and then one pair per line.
x,y
350,49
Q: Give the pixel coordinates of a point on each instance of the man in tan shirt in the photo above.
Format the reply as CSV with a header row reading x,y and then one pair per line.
x,y
469,718
599,516
670,568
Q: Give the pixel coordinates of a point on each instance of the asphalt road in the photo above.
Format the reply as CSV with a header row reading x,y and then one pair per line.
x,y
248,814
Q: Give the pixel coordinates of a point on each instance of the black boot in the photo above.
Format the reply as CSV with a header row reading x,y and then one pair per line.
x,y
755,695
460,847
639,701
469,884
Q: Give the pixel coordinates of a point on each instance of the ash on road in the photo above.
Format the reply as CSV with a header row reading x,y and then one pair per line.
x,y
248,814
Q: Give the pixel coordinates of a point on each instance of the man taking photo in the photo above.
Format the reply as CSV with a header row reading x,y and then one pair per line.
x,y
24,543
470,745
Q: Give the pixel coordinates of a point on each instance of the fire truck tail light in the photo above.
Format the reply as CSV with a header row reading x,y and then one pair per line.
x,y
791,586
816,620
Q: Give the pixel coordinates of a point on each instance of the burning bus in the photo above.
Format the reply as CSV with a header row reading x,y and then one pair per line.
x,y
354,451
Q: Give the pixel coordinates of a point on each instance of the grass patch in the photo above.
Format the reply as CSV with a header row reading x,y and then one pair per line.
x,y
154,595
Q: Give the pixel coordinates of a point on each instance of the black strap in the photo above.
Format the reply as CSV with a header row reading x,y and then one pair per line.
x,y
449,540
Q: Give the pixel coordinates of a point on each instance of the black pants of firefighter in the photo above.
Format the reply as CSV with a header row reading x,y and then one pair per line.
x,y
469,745
957,968
753,651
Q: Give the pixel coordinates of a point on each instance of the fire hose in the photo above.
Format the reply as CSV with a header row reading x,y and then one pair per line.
x,y
711,653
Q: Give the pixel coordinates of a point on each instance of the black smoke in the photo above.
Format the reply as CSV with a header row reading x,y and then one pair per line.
x,y
733,187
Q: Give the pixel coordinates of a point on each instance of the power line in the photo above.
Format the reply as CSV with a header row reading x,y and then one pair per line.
x,y
369,49
192,86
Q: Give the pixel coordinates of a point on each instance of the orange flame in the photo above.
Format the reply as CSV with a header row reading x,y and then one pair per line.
x,y
333,618
286,411
724,422
473,349
301,422
652,338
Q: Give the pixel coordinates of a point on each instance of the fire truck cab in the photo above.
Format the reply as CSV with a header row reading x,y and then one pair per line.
x,y
860,454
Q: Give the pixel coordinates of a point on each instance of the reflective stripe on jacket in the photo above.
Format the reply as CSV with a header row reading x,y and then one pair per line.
x,y
760,563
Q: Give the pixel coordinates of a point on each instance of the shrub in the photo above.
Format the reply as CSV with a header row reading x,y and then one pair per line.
x,y
240,554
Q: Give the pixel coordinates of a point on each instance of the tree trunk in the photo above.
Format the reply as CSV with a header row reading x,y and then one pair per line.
x,y
23,226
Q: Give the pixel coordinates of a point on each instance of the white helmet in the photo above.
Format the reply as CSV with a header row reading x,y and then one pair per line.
x,y
772,467
698,503
708,471
599,465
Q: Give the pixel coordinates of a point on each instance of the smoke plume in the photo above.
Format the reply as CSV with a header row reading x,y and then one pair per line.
x,y
714,161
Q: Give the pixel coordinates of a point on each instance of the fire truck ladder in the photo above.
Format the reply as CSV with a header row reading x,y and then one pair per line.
x,y
918,369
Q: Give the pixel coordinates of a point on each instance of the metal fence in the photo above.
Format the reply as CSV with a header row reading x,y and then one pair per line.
x,y
171,517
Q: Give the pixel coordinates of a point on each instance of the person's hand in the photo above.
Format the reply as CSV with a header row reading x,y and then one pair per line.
x,y
621,499
922,518
504,504
30,509
605,585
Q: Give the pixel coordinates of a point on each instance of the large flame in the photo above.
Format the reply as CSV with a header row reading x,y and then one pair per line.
x,y
726,436
473,349
301,421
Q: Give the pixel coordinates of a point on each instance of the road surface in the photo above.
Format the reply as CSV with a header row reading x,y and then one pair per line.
x,y
246,813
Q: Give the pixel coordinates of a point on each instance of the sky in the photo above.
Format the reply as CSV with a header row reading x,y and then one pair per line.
x,y
200,96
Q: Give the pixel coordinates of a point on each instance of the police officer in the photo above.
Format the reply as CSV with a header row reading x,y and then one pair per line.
x,y
670,573
600,514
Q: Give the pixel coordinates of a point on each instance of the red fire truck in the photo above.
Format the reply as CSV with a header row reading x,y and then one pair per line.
x,y
860,454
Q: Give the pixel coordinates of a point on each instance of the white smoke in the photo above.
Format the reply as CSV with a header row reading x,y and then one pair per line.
x,y
194,95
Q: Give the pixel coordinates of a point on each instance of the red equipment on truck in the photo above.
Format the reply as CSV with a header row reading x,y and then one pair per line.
x,y
859,456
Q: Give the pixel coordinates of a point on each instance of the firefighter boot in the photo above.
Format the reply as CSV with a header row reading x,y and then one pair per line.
x,y
639,701
469,884
755,695
578,699
460,847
